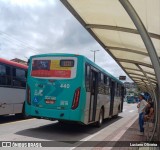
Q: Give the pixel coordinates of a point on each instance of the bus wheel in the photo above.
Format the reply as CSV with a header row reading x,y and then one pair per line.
x,y
100,120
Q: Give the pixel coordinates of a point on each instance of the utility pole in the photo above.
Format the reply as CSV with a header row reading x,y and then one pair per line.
x,y
94,51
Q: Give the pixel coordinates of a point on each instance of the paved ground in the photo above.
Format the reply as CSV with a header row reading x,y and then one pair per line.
x,y
132,135
114,129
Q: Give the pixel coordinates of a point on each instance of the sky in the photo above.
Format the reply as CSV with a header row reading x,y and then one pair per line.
x,y
30,27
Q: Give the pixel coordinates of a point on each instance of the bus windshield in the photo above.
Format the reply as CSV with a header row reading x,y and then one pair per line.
x,y
55,67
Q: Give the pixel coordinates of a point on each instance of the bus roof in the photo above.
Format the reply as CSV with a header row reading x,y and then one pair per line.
x,y
72,55
12,63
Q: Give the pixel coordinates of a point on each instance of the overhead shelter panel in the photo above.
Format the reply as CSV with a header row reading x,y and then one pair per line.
x,y
131,56
108,22
120,39
92,12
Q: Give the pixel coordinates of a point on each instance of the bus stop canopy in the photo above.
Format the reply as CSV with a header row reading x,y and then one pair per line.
x,y
109,23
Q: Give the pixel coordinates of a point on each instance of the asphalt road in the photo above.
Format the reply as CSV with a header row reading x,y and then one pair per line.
x,y
68,136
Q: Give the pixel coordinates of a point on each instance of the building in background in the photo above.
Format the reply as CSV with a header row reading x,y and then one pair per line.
x,y
19,61
131,92
130,85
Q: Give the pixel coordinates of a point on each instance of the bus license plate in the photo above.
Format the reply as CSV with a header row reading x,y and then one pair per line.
x,y
48,101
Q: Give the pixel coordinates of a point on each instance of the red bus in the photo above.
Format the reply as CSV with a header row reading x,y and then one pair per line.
x,y
12,87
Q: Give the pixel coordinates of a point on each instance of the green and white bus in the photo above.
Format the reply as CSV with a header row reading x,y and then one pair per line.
x,y
69,87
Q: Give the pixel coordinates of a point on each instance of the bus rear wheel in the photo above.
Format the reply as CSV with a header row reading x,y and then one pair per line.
x,y
100,120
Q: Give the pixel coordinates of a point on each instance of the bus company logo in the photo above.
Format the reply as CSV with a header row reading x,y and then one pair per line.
x,y
6,144
38,92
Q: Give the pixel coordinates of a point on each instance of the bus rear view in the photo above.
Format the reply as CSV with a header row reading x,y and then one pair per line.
x,y
54,87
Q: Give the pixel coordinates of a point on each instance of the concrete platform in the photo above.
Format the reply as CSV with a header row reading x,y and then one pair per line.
x,y
132,134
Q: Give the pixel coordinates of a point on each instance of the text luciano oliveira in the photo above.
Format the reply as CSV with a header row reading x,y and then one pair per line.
x,y
143,144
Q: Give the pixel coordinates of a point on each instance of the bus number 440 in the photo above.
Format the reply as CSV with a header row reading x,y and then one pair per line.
x,y
65,86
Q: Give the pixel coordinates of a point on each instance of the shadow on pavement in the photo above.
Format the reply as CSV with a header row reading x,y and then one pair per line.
x,y
64,132
10,118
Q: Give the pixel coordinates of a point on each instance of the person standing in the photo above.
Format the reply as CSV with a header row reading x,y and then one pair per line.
x,y
141,107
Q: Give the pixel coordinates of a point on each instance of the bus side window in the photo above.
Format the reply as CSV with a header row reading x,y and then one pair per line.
x,y
110,85
87,77
110,82
8,75
120,90
5,76
102,78
116,89
101,85
2,74
106,85
19,79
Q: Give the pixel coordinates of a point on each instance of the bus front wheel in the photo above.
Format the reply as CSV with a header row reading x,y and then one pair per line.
x,y
100,120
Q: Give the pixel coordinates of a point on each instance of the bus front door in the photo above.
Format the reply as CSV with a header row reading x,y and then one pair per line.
x,y
93,96
112,98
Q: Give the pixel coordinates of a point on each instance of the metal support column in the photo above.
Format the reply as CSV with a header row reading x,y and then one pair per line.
x,y
147,41
158,103
155,101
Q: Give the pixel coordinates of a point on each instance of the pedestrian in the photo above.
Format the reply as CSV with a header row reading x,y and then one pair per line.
x,y
141,108
149,112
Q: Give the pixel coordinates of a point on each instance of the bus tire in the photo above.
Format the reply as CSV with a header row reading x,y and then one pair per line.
x,y
100,119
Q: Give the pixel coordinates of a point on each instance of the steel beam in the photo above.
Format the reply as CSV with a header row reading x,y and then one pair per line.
x,y
155,100
134,62
131,69
141,76
135,77
122,29
126,50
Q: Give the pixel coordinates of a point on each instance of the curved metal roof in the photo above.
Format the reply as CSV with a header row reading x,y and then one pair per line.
x,y
109,23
